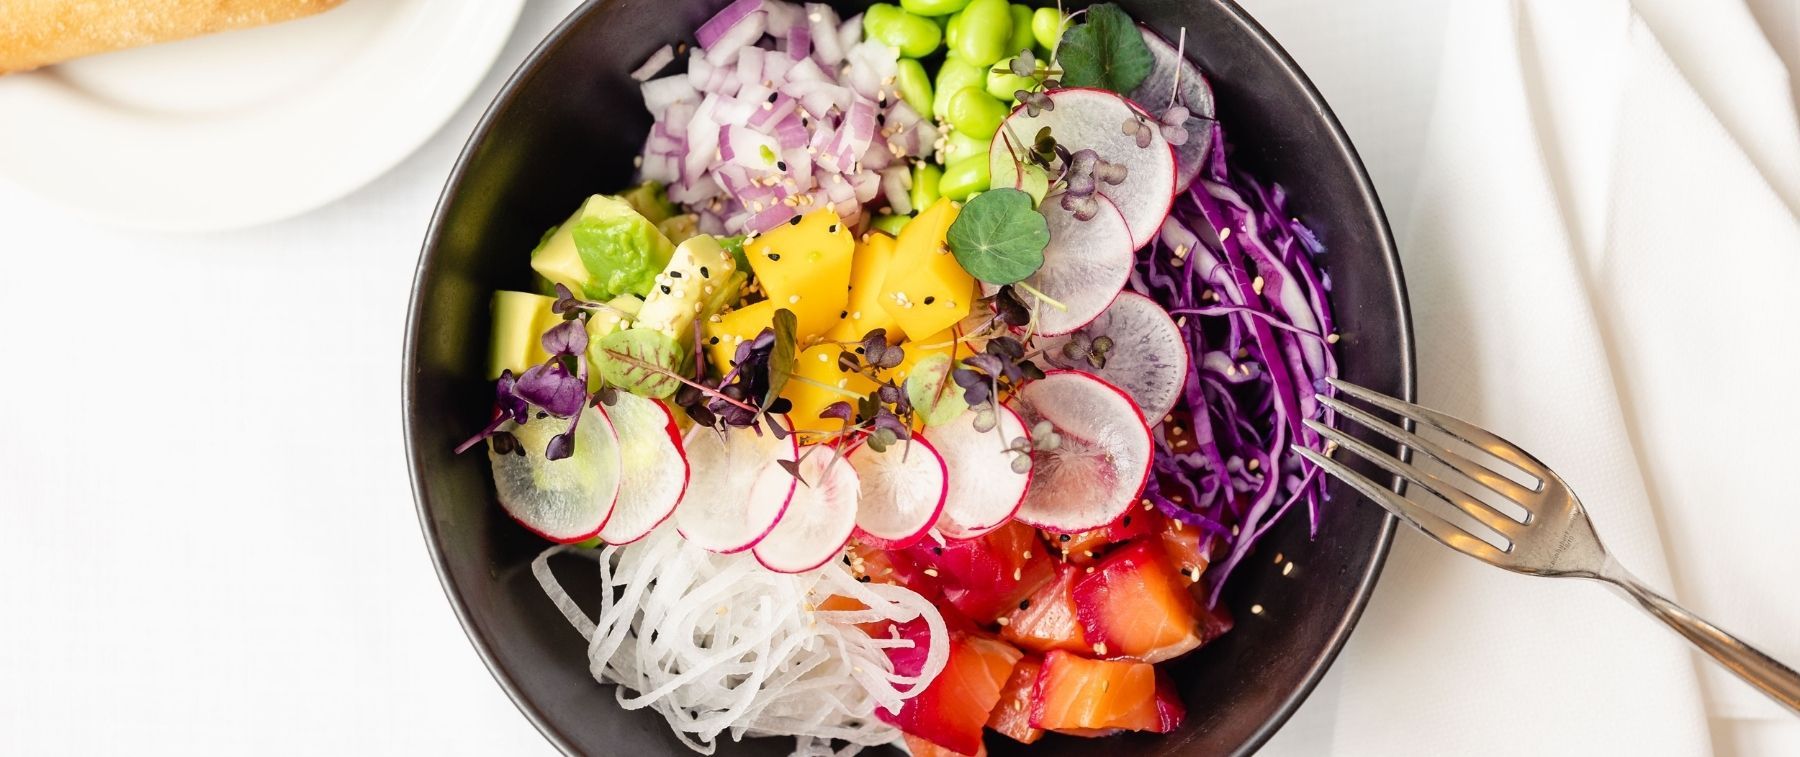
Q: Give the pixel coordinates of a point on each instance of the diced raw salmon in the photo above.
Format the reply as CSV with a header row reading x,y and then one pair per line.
x,y
988,575
1012,717
1047,620
1186,553
922,748
952,710
1133,605
1079,695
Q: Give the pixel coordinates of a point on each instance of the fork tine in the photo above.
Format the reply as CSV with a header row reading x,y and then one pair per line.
x,y
1447,533
1482,474
1469,433
1463,501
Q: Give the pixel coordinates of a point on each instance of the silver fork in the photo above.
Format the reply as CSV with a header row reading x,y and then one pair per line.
x,y
1555,538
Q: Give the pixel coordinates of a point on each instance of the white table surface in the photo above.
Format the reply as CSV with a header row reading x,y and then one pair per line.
x,y
207,540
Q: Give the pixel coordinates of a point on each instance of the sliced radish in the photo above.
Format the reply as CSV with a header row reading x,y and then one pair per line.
x,y
565,500
1086,265
984,491
653,467
1148,357
1095,119
1100,467
729,504
818,521
1196,94
903,492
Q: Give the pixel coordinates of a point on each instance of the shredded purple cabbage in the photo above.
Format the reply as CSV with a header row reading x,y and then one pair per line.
x,y
1239,275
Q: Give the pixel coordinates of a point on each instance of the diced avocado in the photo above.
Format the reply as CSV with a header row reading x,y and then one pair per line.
x,y
925,289
693,277
520,320
804,266
650,201
606,249
864,313
680,228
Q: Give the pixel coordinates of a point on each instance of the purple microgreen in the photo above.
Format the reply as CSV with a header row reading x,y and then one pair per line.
x,y
1085,207
1136,127
1173,123
840,410
566,338
1024,64
552,387
506,444
562,445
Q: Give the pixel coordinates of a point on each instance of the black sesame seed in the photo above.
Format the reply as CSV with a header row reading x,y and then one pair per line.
x,y
833,229
1126,521
794,221
781,165
705,274
881,119
773,95
674,274
542,415
1063,537
665,289
843,314
1024,603
714,340
865,579
774,256
937,550
929,300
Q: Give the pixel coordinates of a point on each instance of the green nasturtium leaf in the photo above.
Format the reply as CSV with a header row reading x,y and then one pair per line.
x,y
1107,52
624,354
785,353
999,237
934,403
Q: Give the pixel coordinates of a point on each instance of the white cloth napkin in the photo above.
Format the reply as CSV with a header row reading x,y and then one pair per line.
x,y
1601,251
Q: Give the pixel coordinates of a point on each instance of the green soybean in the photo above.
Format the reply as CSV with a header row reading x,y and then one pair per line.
x,y
891,224
952,31
914,36
952,76
960,145
1047,26
986,28
964,177
915,85
1021,30
1002,82
925,179
975,113
933,7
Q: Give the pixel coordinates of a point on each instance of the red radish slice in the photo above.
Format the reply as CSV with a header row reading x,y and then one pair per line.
x,y
1148,358
818,521
1153,96
984,491
903,492
1100,467
653,467
1085,266
729,505
565,500
1095,119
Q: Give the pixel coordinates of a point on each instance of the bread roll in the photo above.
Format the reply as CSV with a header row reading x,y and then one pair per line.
x,y
37,33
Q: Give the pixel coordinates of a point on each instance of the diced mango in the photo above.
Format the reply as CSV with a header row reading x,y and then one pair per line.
x,y
925,290
723,335
864,313
804,266
817,382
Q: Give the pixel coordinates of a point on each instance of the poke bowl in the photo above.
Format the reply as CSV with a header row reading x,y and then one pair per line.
x,y
920,374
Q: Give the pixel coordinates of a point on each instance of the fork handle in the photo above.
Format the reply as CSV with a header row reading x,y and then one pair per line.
x,y
1767,674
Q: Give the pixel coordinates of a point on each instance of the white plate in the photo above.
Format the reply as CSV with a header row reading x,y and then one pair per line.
x,y
250,126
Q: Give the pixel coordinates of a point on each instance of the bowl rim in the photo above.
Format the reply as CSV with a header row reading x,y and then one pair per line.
x,y
1390,257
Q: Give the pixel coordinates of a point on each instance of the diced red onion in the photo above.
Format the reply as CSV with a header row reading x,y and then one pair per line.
x,y
659,94
784,18
657,61
895,183
828,48
728,18
800,42
734,40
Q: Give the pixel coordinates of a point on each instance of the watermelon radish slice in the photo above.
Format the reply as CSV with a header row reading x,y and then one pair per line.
x,y
566,500
1095,119
1153,96
1100,467
729,505
903,492
653,467
819,520
1085,266
984,492
1148,357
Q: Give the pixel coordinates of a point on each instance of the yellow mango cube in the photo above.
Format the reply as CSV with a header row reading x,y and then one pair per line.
x,y
804,266
925,290
723,335
864,313
817,382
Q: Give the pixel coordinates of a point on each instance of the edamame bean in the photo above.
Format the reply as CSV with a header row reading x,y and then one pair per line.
x,y
974,113
915,86
1047,26
960,145
986,27
890,224
964,177
1002,82
1021,30
925,184
914,36
933,7
953,75
952,31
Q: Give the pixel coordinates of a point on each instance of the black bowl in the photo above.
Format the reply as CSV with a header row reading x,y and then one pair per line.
x,y
568,124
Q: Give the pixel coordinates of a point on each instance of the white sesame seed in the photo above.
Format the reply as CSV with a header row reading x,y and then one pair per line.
x,y
1256,609
793,298
1331,338
1286,569
1257,284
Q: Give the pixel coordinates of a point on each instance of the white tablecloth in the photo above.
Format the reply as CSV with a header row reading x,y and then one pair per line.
x,y
206,531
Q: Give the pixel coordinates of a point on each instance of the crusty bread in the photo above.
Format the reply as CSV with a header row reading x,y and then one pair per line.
x,y
37,33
